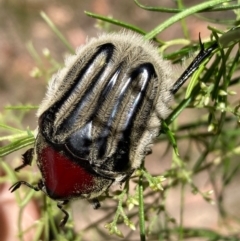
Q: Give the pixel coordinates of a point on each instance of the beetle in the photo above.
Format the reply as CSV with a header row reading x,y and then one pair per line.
x,y
100,116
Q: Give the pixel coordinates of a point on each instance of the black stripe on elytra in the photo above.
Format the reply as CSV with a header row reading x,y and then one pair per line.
x,y
48,117
80,141
120,159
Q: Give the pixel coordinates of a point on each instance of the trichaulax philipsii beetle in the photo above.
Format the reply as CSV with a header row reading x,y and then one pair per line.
x,y
100,116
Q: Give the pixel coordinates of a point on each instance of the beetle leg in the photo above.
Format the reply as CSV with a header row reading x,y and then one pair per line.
x,y
15,186
60,205
27,159
203,54
148,151
95,203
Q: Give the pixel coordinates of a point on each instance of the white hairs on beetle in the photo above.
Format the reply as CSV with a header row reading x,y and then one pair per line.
x,y
101,114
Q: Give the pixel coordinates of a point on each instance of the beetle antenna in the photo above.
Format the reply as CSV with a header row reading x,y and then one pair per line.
x,y
203,54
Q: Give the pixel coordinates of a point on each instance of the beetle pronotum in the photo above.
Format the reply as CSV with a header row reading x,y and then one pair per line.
x,y
100,116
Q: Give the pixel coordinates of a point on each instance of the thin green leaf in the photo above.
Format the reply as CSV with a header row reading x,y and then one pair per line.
x,y
9,128
181,15
57,32
115,22
177,10
16,145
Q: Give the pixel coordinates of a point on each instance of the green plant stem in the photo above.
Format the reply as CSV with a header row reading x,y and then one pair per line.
x,y
181,234
211,145
177,10
181,106
141,209
19,224
183,21
115,22
17,145
57,32
181,15
49,218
